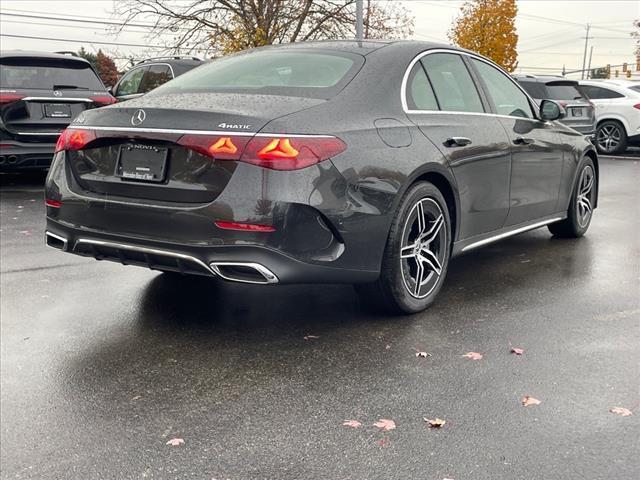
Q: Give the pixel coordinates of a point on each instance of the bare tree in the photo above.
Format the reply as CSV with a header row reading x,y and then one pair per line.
x,y
225,26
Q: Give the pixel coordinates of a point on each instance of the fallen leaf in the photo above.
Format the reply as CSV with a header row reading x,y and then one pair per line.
x,y
385,424
137,397
473,355
387,347
174,442
310,337
351,423
528,400
383,442
623,412
422,354
435,423
517,351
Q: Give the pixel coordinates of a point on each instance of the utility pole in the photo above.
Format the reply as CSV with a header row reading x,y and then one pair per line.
x,y
586,42
589,67
359,20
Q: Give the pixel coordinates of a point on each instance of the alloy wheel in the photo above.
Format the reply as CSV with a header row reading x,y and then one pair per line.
x,y
422,251
584,207
609,137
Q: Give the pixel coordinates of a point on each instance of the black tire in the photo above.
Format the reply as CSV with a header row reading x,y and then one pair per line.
x,y
576,225
611,138
430,244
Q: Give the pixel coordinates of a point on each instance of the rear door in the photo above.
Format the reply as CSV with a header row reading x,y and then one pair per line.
x,y
45,94
535,147
444,102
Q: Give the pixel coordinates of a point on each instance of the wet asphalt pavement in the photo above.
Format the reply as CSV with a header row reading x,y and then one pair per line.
x,y
103,364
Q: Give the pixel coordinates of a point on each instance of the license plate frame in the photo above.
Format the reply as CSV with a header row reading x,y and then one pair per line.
x,y
57,110
142,163
577,111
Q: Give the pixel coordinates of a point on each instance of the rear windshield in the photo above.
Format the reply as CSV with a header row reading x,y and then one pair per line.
x,y
309,73
635,88
44,74
553,91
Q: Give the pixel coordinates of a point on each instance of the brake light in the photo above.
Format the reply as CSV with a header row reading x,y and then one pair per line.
x,y
52,203
637,105
246,227
6,98
273,152
74,139
103,100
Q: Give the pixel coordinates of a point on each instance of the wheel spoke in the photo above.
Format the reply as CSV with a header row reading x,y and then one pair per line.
x,y
422,224
419,275
433,232
428,257
586,204
589,183
408,251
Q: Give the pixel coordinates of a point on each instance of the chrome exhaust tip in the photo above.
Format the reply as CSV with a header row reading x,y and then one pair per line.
x,y
244,272
2,159
55,241
12,159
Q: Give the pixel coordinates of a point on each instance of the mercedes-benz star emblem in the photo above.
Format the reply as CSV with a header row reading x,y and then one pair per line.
x,y
138,117
57,93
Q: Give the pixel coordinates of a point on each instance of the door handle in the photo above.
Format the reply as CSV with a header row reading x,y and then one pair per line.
x,y
523,141
457,142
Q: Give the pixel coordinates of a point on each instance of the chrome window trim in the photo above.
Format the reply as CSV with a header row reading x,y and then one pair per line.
x,y
405,78
197,132
509,233
38,134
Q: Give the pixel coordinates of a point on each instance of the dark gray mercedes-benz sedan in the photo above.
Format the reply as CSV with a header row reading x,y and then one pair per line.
x,y
369,163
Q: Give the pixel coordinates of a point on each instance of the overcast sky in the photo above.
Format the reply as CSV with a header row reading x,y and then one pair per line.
x,y
551,32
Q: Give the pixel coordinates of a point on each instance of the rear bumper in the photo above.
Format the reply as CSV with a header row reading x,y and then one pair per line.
x,y
245,264
16,155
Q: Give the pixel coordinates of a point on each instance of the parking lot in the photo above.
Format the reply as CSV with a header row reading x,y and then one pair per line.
x,y
102,364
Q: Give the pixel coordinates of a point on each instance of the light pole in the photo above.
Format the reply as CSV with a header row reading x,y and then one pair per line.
x,y
359,20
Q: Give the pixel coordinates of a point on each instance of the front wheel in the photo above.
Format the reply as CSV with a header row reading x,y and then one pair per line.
x,y
416,255
581,205
611,137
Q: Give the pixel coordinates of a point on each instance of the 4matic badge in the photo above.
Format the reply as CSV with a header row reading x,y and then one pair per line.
x,y
234,126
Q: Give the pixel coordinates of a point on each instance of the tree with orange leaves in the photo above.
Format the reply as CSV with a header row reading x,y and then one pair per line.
x,y
488,28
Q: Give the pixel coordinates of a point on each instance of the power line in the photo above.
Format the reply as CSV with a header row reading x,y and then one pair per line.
x,y
119,44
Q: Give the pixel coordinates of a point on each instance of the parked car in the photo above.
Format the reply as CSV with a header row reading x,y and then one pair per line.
x,y
150,74
40,93
303,163
617,113
580,112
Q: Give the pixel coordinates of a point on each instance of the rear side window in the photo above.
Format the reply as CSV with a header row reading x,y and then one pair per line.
x,y
155,76
48,74
452,83
130,83
420,95
635,88
309,73
507,97
535,89
598,93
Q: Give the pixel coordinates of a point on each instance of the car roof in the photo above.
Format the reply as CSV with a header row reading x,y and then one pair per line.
x,y
35,54
363,47
608,81
186,61
544,78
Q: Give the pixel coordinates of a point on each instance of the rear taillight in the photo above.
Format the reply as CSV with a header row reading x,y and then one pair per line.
x,y
637,105
52,203
74,139
246,227
6,98
103,100
273,152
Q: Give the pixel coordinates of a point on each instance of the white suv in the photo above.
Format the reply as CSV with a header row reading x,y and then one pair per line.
x,y
617,113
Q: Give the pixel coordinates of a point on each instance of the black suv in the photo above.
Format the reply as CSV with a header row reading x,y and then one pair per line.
x,y
580,112
150,74
40,93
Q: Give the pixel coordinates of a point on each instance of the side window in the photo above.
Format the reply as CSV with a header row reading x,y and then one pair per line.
x,y
598,93
130,82
452,83
507,97
419,92
155,76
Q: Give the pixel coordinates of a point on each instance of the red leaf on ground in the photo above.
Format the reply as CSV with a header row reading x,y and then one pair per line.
x,y
174,442
528,400
517,350
385,424
310,337
383,442
473,355
623,412
435,423
351,423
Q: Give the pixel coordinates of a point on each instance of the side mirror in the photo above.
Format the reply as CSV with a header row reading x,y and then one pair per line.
x,y
550,110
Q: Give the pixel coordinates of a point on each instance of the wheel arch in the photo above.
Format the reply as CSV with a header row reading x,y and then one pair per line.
x,y
614,118
591,153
